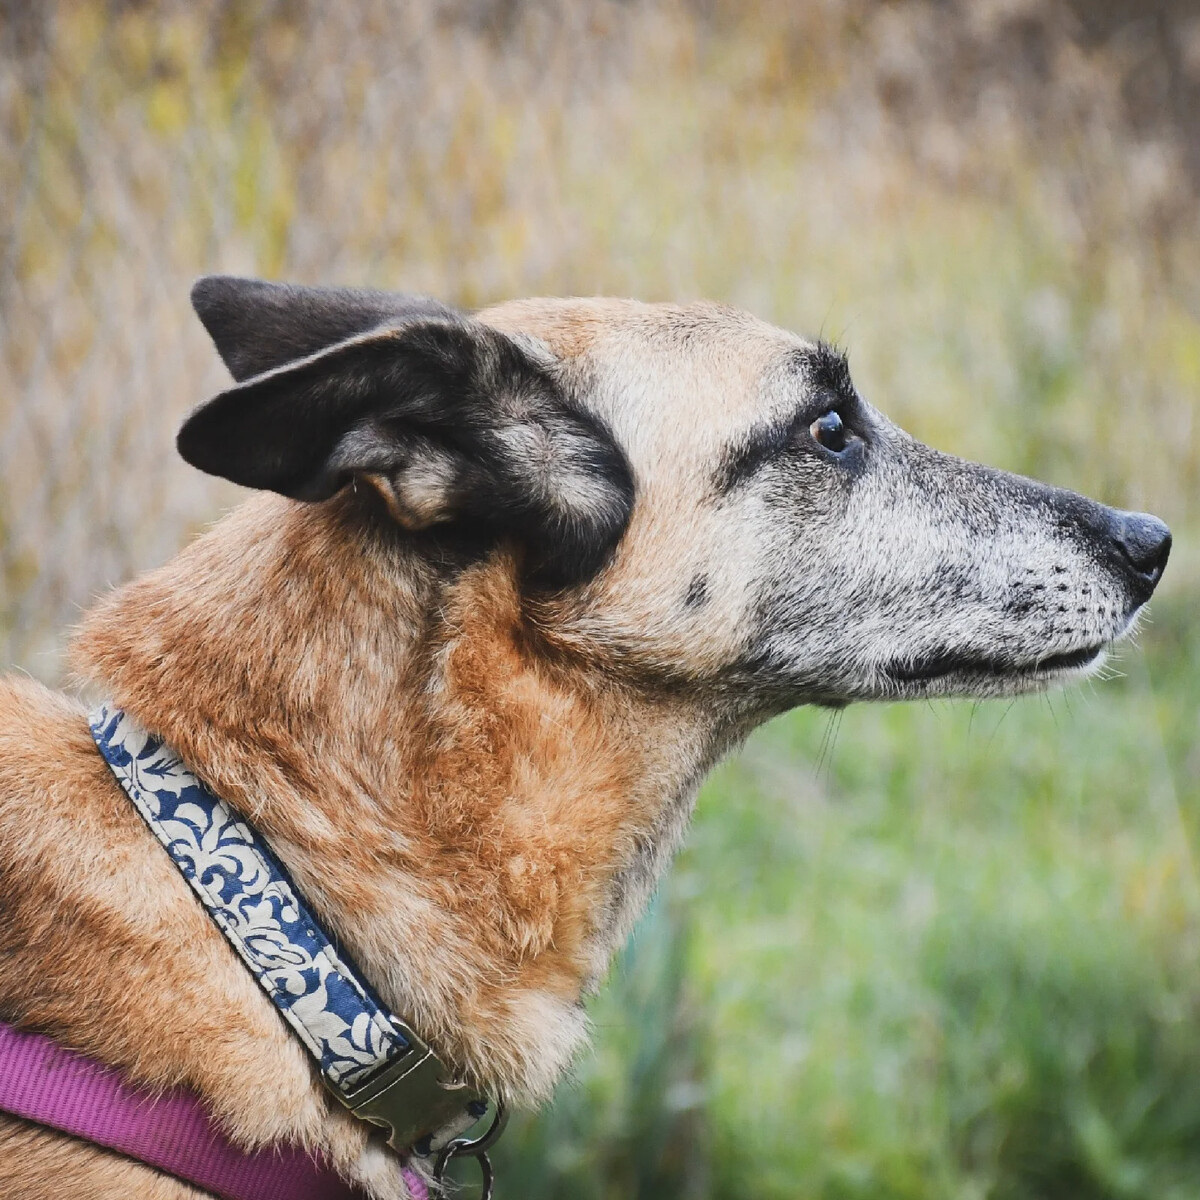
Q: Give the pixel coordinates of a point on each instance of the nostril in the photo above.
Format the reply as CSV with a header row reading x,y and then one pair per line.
x,y
1145,543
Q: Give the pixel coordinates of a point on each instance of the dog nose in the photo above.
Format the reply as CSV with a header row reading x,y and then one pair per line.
x,y
1145,544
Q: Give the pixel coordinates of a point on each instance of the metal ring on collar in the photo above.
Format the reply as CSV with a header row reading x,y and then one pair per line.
x,y
477,1148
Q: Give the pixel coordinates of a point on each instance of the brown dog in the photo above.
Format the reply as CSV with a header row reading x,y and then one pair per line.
x,y
512,585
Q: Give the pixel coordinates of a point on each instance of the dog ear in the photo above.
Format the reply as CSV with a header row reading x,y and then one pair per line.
x,y
450,420
258,326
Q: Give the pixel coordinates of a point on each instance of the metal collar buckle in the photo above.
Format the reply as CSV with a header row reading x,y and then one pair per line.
x,y
414,1096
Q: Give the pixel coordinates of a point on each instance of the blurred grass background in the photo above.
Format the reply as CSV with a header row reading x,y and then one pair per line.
x,y
916,952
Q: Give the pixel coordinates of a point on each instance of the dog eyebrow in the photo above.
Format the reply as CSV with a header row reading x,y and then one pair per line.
x,y
825,368
825,371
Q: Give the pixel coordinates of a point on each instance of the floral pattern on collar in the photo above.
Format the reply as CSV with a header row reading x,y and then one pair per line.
x,y
247,893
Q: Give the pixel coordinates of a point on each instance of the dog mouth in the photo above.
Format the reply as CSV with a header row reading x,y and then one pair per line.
x,y
935,666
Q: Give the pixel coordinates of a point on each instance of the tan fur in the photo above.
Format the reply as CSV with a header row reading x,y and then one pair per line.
x,y
675,383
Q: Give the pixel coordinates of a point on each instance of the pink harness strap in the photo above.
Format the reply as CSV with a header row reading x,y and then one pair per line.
x,y
43,1082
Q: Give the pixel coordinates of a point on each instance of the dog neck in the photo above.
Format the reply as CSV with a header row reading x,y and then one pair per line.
x,y
478,822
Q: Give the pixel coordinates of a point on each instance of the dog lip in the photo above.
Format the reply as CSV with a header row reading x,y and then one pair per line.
x,y
934,666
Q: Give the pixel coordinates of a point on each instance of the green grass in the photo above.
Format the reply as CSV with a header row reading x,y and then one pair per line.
x,y
957,958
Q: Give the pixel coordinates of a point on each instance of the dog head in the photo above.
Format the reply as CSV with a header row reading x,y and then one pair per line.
x,y
697,498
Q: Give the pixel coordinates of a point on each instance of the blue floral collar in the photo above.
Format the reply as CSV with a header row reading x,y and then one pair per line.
x,y
371,1061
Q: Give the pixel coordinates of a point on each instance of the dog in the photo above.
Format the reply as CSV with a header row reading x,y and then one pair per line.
x,y
510,584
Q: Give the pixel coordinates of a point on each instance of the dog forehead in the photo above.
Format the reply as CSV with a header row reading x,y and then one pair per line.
x,y
667,378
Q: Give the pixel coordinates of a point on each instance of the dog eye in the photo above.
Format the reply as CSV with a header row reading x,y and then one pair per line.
x,y
828,431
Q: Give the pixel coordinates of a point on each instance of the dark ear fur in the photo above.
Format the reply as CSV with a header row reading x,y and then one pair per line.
x,y
450,420
258,326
